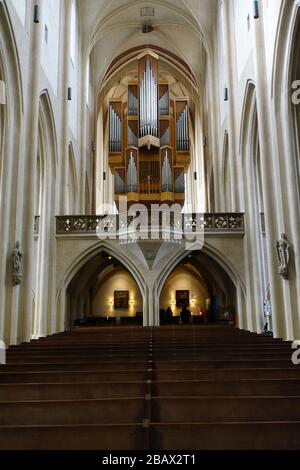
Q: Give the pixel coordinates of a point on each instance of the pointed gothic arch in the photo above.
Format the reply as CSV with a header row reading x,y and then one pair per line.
x,y
83,259
232,279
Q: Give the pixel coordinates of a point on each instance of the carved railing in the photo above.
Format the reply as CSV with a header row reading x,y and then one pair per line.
x,y
229,223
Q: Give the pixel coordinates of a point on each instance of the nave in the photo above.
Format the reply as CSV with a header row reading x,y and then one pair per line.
x,y
185,387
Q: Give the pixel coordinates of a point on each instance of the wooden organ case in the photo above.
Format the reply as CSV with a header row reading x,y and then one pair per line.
x,y
149,145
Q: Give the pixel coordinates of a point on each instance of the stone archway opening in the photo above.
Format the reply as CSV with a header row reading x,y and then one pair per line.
x,y
201,285
104,293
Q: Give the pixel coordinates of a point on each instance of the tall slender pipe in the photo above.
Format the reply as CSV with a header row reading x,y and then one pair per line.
x,y
184,128
114,130
109,129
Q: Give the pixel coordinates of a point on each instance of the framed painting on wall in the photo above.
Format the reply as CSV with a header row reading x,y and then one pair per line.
x,y
121,299
182,298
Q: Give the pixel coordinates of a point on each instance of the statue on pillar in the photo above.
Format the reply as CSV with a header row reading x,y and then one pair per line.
x,y
283,254
16,264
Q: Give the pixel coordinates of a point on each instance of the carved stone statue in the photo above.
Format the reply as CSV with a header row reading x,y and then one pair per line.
x,y
16,264
283,254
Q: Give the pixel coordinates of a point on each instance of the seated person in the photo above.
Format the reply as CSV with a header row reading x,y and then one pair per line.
x,y
185,316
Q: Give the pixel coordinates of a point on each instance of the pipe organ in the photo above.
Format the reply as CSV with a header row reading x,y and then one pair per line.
x,y
149,145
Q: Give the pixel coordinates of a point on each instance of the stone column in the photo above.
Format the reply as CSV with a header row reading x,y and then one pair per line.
x,y
65,41
28,176
290,187
11,138
213,152
281,325
85,144
231,83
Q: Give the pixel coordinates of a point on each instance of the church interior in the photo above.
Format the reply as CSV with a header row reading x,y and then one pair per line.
x,y
150,224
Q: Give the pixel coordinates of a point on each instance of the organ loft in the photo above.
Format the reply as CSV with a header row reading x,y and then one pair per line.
x,y
149,147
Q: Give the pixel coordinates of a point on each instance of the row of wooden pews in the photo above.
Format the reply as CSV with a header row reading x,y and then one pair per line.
x,y
130,388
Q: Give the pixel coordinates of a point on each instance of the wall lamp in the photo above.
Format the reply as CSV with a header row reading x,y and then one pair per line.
x,y
36,14
226,94
255,9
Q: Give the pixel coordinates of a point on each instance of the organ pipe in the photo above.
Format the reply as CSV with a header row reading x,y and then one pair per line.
x,y
164,105
132,104
132,138
182,131
165,139
114,131
167,178
148,103
132,184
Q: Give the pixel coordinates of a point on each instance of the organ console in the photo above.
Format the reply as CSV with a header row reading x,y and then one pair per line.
x,y
149,145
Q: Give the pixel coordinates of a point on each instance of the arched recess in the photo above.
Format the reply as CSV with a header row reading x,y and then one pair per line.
x,y
255,247
89,260
220,275
45,204
10,148
91,291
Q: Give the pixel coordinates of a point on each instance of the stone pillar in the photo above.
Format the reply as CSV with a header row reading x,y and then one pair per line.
x,y
281,325
284,112
28,177
211,154
85,146
231,83
240,320
290,187
65,107
11,113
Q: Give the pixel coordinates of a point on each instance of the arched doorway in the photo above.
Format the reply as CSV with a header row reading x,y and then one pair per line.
x,y
199,283
104,292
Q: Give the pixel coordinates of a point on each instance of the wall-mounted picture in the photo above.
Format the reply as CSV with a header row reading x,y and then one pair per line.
x,y
182,298
121,299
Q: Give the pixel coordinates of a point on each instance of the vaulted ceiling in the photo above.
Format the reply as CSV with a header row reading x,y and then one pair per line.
x,y
182,27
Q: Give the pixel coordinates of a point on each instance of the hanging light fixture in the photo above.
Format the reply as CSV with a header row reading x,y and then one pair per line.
x,y
147,28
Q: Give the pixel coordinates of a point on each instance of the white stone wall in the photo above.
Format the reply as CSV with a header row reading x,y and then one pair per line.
x,y
50,48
